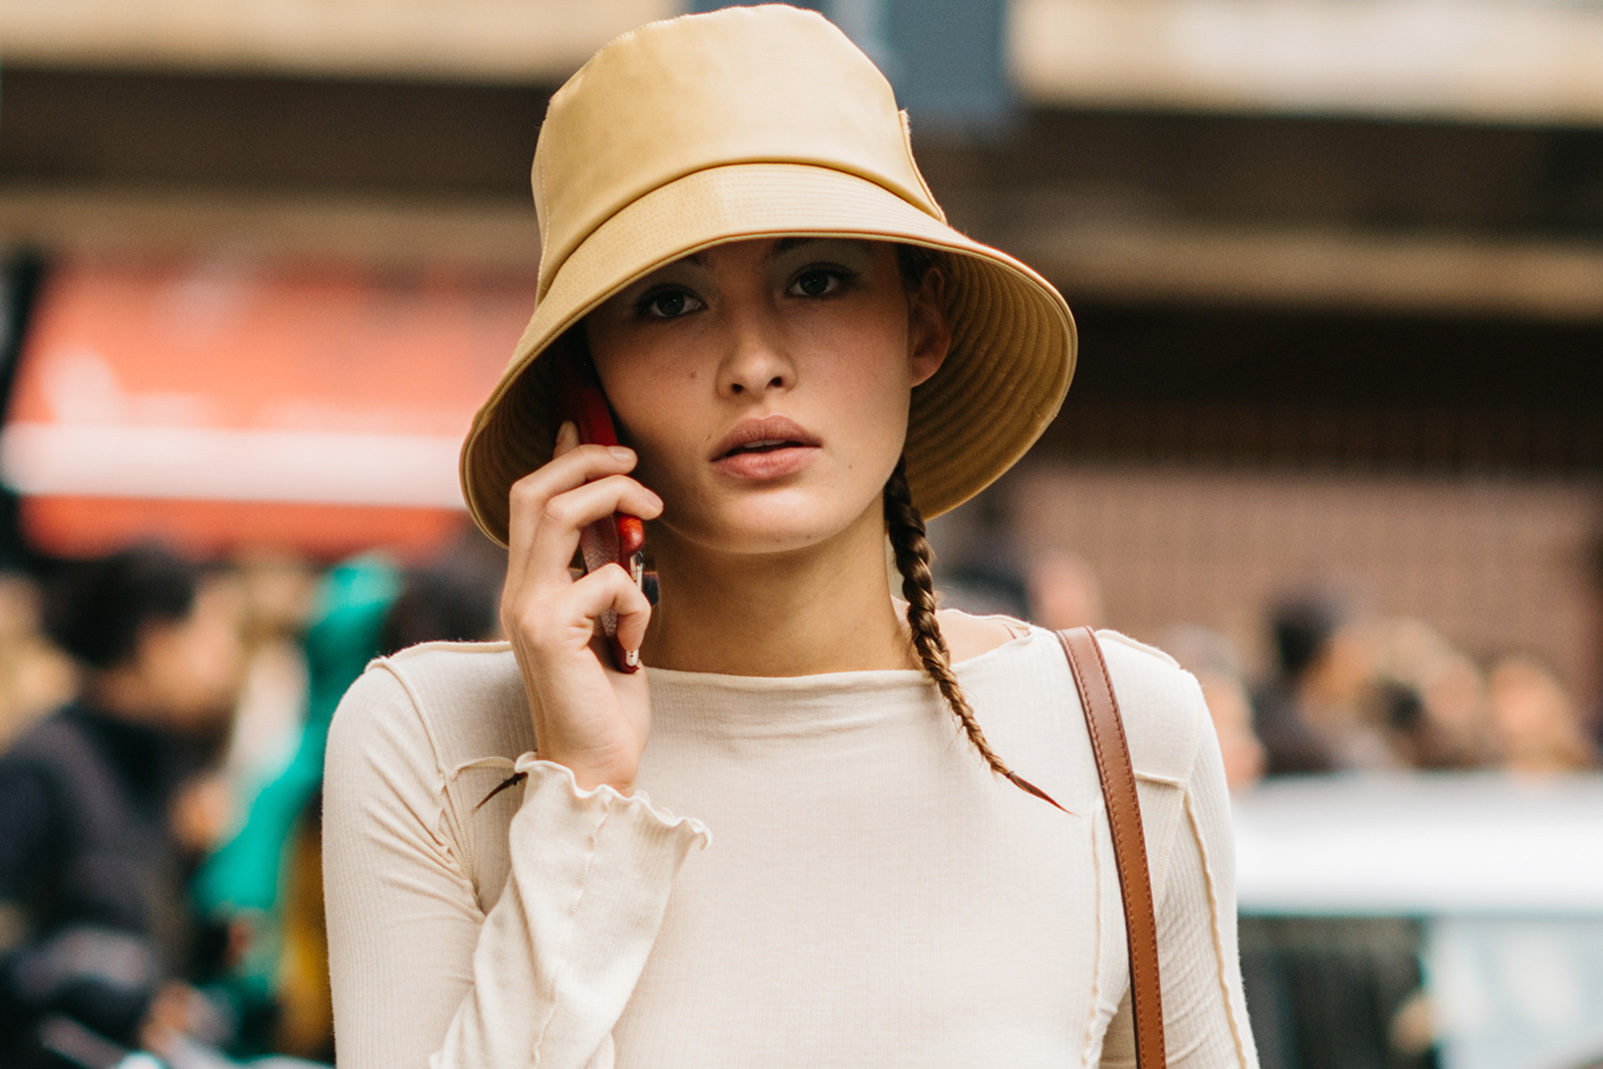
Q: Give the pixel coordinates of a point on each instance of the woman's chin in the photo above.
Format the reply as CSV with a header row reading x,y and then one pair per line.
x,y
776,527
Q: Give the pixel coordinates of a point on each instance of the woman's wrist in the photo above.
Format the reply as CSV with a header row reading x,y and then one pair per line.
x,y
589,776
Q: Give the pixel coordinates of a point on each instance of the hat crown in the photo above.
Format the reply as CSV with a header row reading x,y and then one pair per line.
x,y
770,84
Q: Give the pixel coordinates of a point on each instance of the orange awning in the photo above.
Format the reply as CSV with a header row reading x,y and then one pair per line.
x,y
233,403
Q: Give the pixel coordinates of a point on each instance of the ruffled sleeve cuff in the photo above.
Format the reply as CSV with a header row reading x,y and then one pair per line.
x,y
552,790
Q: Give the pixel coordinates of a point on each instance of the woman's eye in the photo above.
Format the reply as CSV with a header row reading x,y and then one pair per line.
x,y
816,282
669,304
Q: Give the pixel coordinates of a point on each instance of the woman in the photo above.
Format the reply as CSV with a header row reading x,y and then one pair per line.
x,y
804,358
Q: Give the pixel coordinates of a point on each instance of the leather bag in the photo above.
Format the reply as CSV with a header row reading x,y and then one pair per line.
x,y
1112,751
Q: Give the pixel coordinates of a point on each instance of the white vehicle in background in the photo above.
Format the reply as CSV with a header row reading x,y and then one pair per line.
x,y
1499,879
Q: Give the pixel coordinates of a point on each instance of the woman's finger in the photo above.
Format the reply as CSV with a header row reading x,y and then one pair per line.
x,y
579,465
634,616
552,543
530,494
567,439
612,589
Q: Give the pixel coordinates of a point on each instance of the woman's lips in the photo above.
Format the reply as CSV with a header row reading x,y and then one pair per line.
x,y
769,447
767,464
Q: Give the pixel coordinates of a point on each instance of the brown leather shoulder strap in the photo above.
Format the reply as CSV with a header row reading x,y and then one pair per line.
x,y
1112,752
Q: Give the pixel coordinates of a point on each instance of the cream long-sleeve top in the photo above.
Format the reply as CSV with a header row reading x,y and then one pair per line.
x,y
814,871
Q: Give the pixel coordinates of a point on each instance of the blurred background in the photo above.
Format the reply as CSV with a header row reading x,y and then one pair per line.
x,y
1335,442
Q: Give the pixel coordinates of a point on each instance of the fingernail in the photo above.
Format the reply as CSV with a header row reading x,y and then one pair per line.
x,y
632,658
621,452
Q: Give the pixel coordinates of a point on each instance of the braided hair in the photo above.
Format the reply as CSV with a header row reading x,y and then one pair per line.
x,y
905,527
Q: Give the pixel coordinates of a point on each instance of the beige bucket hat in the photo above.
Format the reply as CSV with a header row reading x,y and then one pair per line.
x,y
762,122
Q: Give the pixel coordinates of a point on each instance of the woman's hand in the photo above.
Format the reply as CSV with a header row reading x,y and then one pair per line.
x,y
587,716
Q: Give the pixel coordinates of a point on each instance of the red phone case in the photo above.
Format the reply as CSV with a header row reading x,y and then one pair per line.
x,y
620,538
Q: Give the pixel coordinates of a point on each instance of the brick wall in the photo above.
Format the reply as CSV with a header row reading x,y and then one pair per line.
x,y
1493,564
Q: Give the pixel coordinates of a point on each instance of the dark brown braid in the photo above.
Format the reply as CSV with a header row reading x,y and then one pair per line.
x,y
913,556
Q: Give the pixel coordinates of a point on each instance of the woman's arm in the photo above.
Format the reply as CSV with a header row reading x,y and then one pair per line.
x,y
417,969
420,975
1204,1012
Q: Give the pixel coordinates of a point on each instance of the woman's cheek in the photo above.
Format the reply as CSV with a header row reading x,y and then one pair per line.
x,y
651,404
671,438
878,391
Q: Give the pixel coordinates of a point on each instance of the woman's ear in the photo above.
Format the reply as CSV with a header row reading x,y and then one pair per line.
x,y
929,328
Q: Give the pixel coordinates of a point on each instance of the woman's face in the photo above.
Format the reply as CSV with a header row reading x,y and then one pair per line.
x,y
765,385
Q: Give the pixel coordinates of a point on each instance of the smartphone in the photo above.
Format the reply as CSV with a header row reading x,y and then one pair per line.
x,y
621,538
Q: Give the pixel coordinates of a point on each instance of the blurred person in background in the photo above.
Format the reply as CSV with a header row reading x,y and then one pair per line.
x,y
35,677
978,562
1368,694
1064,591
1536,726
106,802
454,599
1210,657
277,592
1302,629
1426,697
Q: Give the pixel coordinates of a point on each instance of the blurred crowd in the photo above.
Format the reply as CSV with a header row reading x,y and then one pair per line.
x,y
1356,692
1342,689
162,726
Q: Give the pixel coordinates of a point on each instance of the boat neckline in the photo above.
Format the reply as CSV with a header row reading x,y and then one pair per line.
x,y
858,675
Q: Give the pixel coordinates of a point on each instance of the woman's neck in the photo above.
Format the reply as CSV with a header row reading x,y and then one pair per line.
x,y
826,609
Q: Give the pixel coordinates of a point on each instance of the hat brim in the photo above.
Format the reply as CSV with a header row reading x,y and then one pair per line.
x,y
1004,379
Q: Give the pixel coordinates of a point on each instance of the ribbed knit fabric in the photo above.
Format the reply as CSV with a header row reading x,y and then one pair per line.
x,y
869,895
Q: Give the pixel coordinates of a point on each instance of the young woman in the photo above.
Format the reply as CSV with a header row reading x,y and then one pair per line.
x,y
809,832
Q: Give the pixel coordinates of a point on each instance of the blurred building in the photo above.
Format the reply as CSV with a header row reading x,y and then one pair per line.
x,y
1338,267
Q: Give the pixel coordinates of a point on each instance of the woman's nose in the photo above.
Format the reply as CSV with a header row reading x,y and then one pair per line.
x,y
757,360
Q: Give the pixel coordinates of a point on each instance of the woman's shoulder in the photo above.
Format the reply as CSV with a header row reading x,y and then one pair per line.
x,y
451,666
1160,703
968,637
463,700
